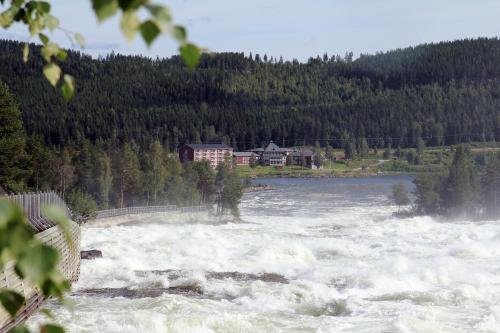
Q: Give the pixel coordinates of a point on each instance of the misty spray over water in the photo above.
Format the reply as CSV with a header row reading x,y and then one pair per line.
x,y
340,262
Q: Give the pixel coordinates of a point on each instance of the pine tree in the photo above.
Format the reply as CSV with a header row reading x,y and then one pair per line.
x,y
43,176
364,148
329,153
229,190
155,171
191,195
400,195
459,192
491,186
350,150
428,189
66,171
13,157
174,186
85,168
104,179
387,152
420,146
128,174
206,181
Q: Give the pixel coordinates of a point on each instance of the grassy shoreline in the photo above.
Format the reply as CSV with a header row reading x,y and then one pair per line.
x,y
433,160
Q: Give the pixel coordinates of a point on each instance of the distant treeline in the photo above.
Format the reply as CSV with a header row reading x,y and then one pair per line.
x,y
443,93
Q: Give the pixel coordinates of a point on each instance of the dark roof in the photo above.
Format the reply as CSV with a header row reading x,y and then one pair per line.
x,y
272,147
257,149
208,146
243,154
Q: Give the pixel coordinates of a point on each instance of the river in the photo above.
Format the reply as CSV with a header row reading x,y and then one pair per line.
x,y
340,263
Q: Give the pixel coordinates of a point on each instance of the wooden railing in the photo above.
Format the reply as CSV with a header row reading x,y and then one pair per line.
x,y
33,203
50,234
148,210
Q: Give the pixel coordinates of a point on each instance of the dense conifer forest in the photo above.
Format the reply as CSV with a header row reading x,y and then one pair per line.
x,y
114,143
445,93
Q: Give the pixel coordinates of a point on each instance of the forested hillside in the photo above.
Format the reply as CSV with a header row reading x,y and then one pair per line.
x,y
443,93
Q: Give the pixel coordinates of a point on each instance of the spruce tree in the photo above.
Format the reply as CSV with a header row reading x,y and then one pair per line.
x,y
400,195
104,179
364,148
350,150
155,171
459,191
13,158
128,174
491,186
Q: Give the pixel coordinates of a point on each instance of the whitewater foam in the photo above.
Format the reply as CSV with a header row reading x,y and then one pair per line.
x,y
350,266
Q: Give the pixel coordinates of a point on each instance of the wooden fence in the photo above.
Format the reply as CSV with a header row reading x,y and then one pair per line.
x,y
33,203
148,210
49,234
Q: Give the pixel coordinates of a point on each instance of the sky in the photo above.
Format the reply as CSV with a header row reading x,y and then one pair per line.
x,y
294,29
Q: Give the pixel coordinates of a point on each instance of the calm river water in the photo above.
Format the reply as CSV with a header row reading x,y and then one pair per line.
x,y
343,264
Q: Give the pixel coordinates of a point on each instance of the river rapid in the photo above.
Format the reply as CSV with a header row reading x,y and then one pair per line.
x,y
341,263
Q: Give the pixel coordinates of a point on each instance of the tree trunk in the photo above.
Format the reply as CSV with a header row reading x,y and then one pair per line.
x,y
121,198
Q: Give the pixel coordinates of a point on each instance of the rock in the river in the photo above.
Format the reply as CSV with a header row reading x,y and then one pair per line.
x,y
90,254
236,276
142,293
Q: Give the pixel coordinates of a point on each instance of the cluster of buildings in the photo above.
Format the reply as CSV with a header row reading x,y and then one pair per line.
x,y
271,155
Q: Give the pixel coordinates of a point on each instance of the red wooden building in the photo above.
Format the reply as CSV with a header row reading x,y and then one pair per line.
x,y
243,158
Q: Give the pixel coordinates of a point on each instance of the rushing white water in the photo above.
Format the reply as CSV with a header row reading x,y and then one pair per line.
x,y
351,267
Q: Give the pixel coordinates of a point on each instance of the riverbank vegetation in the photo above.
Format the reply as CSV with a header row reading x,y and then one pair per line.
x,y
470,187
428,160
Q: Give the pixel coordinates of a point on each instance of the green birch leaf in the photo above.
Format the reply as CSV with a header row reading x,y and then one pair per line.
x,y
54,213
52,22
19,329
37,263
190,54
179,33
6,212
129,4
48,314
26,52
129,24
104,8
43,6
7,17
11,301
79,39
50,328
36,25
149,31
52,72
61,55
18,3
161,13
43,38
67,89
49,50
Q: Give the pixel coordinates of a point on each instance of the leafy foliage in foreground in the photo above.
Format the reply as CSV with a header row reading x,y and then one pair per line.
x,y
33,261
37,17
